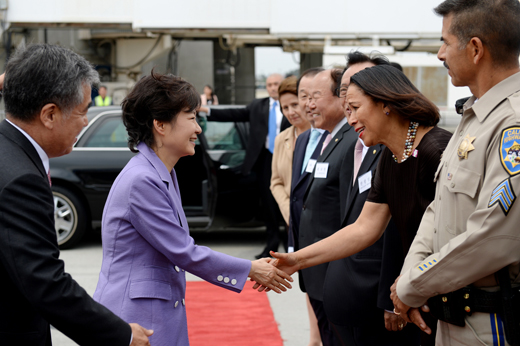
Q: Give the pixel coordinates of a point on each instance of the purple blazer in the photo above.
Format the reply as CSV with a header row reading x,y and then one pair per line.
x,y
147,247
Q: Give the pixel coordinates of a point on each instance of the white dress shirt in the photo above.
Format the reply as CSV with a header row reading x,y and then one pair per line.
x,y
39,150
338,127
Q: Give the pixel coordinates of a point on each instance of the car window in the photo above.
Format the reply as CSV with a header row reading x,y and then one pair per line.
x,y
110,134
222,136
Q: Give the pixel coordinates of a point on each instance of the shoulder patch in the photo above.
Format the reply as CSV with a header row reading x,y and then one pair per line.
x,y
504,195
510,150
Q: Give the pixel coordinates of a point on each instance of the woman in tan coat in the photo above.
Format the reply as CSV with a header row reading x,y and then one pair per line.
x,y
284,144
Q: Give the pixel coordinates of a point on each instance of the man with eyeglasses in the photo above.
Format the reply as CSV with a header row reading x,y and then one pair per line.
x,y
321,214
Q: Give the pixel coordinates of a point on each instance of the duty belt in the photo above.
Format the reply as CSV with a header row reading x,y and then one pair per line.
x,y
453,307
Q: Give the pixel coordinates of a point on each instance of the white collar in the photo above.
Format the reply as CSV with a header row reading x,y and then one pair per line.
x,y
317,129
39,150
338,127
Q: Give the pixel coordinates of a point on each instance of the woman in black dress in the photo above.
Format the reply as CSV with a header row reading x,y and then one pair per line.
x,y
385,107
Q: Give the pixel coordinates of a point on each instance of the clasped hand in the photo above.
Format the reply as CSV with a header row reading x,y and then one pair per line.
x,y
268,276
286,264
411,315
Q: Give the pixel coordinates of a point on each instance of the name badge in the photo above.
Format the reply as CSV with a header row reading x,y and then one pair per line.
x,y
365,182
310,166
321,170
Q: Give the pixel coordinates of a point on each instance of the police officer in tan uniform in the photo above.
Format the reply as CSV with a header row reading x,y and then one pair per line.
x,y
472,228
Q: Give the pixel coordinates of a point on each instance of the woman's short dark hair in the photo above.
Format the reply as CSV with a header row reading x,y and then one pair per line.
x,y
387,84
155,97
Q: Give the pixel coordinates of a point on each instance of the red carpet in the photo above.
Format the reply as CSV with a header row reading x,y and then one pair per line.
x,y
219,317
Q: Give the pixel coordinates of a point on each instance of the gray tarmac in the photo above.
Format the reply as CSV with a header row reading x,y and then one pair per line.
x,y
290,311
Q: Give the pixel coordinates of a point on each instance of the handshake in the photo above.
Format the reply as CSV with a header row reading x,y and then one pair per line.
x,y
274,273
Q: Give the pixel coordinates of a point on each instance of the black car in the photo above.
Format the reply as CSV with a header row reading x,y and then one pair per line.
x,y
214,192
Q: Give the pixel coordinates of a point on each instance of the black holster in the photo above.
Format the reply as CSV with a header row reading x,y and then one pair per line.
x,y
449,307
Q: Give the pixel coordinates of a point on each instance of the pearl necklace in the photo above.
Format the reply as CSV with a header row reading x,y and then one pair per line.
x,y
410,139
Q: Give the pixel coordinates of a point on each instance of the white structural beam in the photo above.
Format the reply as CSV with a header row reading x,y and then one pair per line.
x,y
354,16
70,11
283,18
205,14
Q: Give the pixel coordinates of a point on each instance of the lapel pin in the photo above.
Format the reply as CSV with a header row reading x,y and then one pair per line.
x,y
336,140
374,151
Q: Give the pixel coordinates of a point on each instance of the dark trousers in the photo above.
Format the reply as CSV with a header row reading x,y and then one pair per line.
x,y
376,335
270,211
328,337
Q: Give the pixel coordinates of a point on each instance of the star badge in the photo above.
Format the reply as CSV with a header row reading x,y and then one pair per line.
x,y
465,147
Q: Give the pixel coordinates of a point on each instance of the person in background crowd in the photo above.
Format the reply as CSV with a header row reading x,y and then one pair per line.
x,y
208,98
467,246
321,214
44,116
284,145
267,121
102,99
146,241
385,107
308,147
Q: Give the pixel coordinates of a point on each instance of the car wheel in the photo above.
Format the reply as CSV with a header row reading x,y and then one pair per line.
x,y
70,217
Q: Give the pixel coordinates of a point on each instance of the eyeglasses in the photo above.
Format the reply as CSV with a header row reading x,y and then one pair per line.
x,y
341,92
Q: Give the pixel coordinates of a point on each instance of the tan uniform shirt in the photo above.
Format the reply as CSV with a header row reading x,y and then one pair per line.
x,y
472,228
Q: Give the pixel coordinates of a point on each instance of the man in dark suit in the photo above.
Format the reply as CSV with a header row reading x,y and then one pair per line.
x,y
267,121
321,215
47,94
307,149
356,289
304,151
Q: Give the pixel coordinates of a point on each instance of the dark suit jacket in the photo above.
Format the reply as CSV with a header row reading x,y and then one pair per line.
x,y
299,183
352,284
257,113
321,216
35,290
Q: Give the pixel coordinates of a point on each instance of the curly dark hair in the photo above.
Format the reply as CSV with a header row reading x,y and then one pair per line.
x,y
385,83
155,97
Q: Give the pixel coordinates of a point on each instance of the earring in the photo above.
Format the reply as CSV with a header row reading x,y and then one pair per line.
x,y
387,113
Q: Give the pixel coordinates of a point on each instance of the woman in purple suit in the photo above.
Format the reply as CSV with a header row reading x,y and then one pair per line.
x,y
146,242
